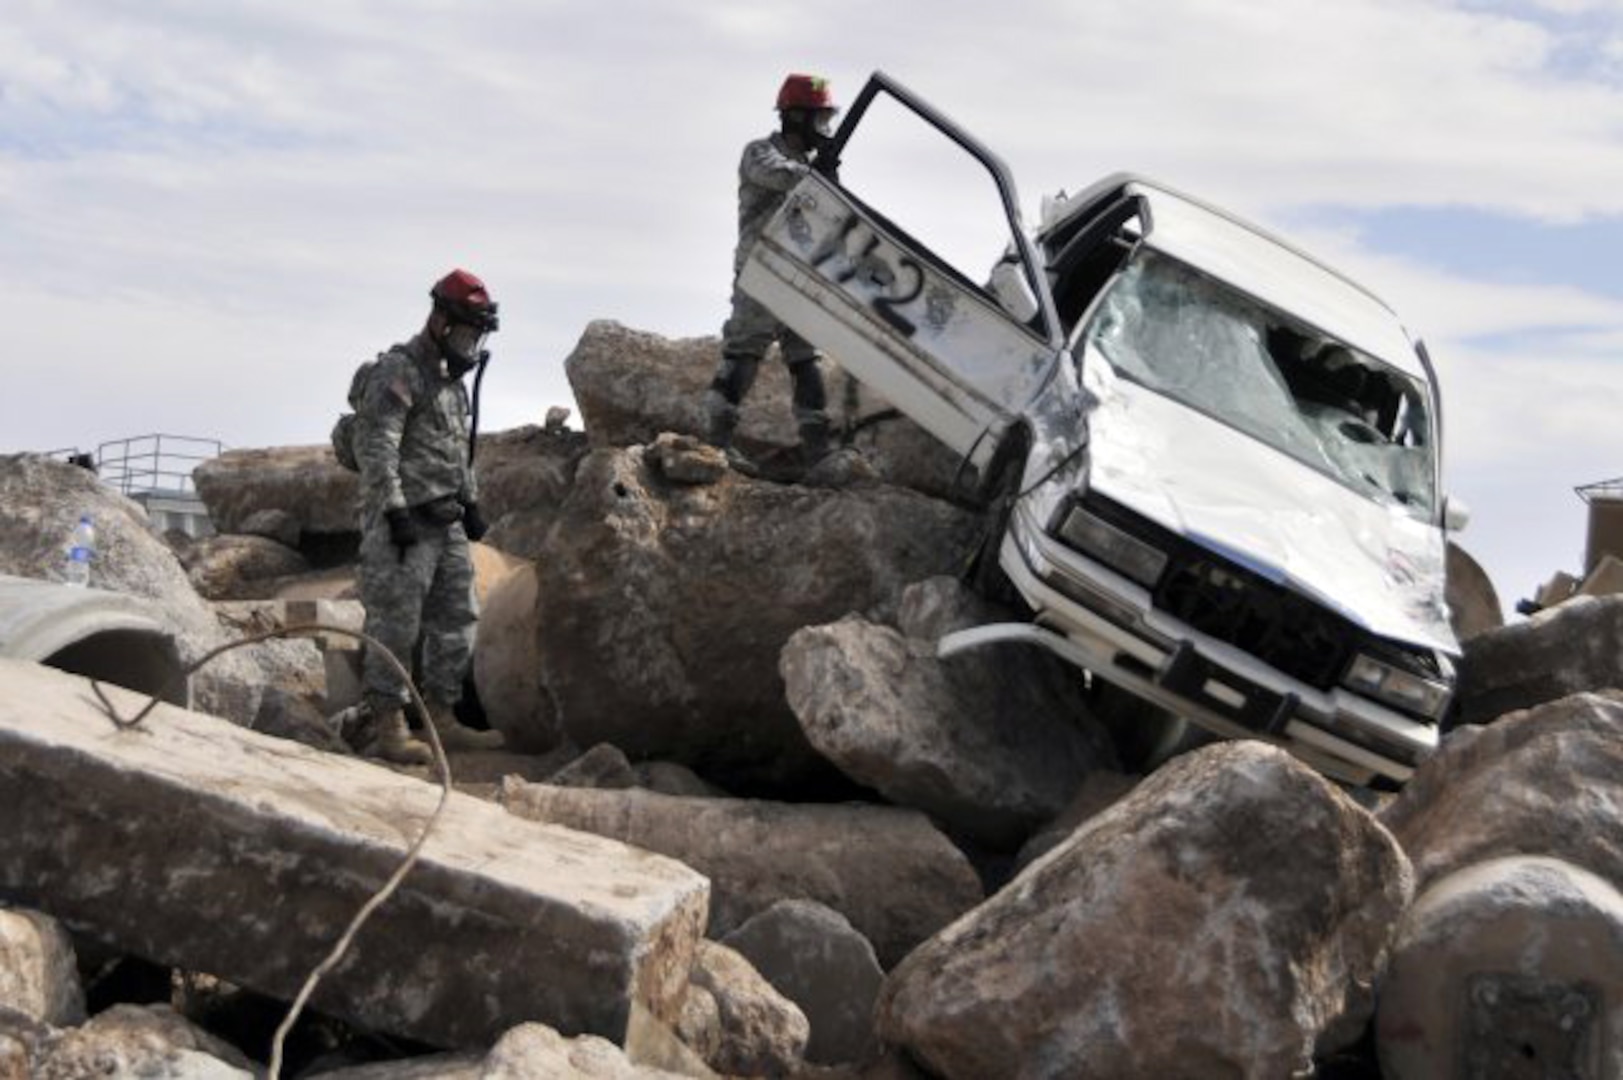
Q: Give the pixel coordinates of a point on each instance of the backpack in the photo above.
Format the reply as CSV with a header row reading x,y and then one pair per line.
x,y
343,430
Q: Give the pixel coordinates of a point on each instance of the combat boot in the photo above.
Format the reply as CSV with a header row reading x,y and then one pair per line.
x,y
385,736
814,441
455,735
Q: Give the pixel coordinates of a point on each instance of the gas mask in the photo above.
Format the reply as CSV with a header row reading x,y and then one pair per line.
x,y
461,346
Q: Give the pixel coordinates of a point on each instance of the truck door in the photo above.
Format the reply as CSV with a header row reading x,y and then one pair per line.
x,y
960,342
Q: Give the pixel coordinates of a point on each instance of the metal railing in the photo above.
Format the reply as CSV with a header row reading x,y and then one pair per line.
x,y
154,462
1601,489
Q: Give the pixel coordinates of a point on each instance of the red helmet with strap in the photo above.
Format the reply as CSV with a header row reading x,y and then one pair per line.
x,y
805,92
465,299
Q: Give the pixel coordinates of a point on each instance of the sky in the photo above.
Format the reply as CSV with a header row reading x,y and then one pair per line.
x,y
211,211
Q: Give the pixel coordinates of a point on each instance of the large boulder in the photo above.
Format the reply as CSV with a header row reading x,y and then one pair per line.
x,y
632,385
44,498
525,471
1572,647
507,668
889,871
992,743
525,476
1544,781
664,606
305,482
1217,921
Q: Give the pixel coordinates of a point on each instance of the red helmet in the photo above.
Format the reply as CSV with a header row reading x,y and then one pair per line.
x,y
805,92
465,299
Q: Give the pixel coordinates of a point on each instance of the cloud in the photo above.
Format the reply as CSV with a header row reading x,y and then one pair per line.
x,y
212,211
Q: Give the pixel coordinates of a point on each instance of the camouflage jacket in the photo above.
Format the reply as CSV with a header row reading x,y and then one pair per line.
x,y
766,172
411,431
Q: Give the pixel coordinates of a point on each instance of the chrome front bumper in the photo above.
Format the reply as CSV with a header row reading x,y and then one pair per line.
x,y
1098,620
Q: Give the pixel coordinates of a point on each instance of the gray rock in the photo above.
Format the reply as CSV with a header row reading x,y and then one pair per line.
x,y
241,567
603,766
762,1032
44,498
1214,922
816,959
39,976
304,482
669,778
685,459
273,524
1545,781
92,838
887,870
992,743
664,607
149,1041
1509,967
633,385
1568,649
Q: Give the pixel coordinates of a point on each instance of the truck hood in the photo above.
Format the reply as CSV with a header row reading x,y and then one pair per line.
x,y
1239,498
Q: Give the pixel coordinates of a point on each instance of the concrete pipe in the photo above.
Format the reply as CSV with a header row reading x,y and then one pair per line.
x,y
113,637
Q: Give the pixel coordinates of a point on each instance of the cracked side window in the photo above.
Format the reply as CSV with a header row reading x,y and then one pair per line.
x,y
1180,333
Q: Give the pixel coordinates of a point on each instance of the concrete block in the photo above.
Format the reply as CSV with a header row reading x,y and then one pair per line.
x,y
198,844
1511,967
343,668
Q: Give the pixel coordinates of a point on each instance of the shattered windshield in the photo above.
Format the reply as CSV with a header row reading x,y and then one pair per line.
x,y
1181,333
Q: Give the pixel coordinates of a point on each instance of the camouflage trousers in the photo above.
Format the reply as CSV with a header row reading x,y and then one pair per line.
x,y
427,596
745,338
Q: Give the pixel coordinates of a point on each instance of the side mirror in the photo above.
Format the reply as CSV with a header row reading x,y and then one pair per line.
x,y
1008,284
1456,515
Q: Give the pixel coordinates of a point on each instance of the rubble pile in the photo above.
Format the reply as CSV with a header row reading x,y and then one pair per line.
x,y
748,823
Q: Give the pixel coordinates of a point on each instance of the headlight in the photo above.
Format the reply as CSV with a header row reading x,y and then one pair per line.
x,y
1396,687
1121,552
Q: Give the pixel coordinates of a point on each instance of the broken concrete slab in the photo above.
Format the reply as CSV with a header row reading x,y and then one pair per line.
x,y
1510,967
199,845
895,876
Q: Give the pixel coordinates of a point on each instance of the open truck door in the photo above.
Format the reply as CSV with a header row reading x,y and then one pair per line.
x,y
960,358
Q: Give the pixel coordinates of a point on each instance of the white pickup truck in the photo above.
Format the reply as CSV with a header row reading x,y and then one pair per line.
x,y
1212,460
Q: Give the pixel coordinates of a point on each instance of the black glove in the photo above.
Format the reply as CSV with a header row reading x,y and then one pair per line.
x,y
826,163
402,529
473,522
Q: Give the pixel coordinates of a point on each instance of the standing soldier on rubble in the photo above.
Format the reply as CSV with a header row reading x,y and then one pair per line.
x,y
769,168
420,509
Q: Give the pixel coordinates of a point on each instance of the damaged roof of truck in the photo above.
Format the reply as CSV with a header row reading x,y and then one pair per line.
x,y
1261,265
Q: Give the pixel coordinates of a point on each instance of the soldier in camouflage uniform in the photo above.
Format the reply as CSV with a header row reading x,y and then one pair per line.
x,y
420,510
769,168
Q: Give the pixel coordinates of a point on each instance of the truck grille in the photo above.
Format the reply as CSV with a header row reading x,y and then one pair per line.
x,y
1237,606
1233,605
